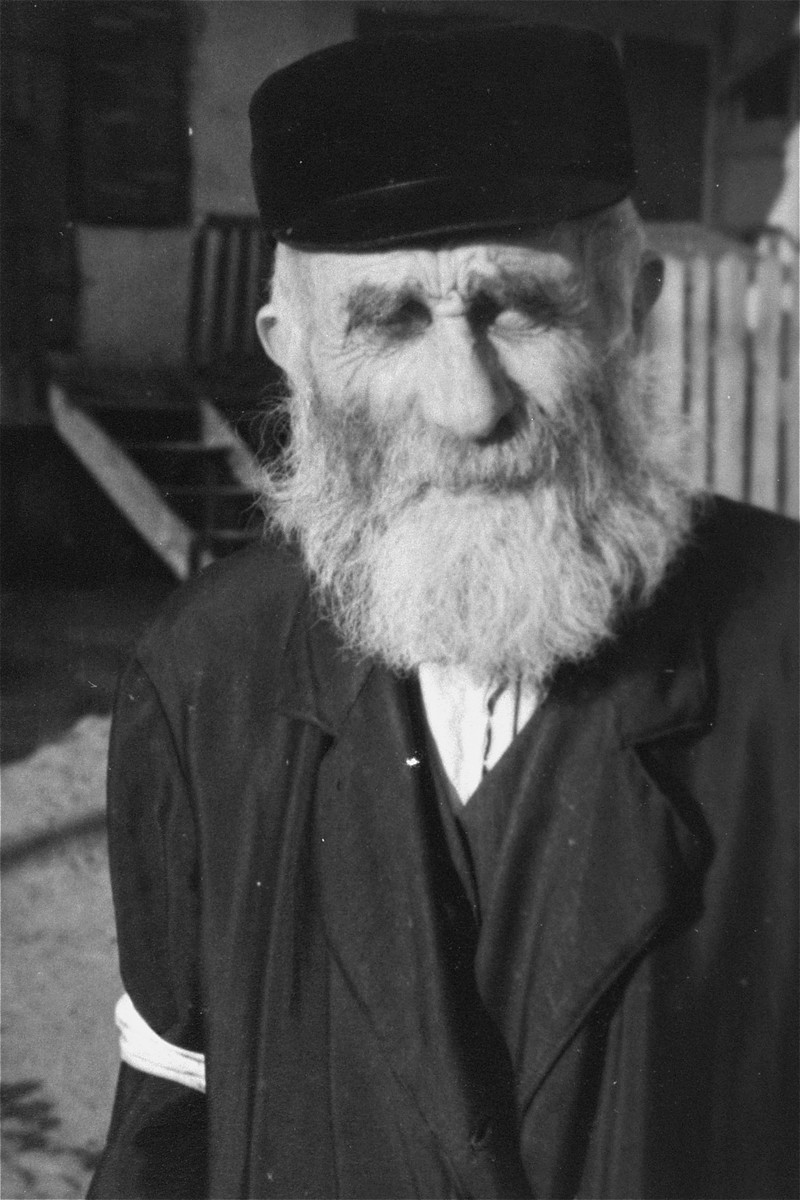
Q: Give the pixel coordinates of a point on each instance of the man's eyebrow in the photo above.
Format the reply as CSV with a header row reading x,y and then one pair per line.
x,y
370,303
531,288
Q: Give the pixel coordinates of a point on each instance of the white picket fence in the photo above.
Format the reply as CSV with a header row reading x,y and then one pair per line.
x,y
724,339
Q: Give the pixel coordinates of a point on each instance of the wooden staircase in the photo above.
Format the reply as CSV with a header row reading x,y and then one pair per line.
x,y
180,474
167,452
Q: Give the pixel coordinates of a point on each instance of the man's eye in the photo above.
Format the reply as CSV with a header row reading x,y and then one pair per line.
x,y
406,320
486,313
515,320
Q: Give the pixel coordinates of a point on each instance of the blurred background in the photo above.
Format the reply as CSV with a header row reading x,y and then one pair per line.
x,y
135,404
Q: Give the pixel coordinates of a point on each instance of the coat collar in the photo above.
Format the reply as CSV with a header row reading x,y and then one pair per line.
x,y
318,679
654,675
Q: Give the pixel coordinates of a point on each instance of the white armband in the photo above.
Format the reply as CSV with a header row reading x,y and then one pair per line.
x,y
141,1047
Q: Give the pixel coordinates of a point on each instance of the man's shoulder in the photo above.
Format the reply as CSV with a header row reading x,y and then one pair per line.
x,y
738,589
237,610
744,560
768,540
731,598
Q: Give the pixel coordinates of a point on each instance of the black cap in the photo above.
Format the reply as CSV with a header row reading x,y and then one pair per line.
x,y
376,142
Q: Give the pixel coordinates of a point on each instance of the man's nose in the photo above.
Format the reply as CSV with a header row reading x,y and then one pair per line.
x,y
464,390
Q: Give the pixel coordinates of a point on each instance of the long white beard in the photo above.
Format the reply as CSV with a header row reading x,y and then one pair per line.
x,y
506,559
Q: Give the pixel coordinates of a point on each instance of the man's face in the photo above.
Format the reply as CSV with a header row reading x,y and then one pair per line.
x,y
472,474
462,338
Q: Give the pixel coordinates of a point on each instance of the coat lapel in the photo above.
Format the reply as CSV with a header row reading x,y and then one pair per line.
x,y
593,864
596,859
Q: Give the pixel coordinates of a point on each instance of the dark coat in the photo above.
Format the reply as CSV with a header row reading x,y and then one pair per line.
x,y
623,1021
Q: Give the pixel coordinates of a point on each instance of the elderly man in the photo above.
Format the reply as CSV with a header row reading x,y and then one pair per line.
x,y
452,829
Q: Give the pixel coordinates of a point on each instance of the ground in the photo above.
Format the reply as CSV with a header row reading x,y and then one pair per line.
x,y
61,656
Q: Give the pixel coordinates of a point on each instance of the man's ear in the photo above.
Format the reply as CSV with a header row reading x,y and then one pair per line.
x,y
270,333
647,290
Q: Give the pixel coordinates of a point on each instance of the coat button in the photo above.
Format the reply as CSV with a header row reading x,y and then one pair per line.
x,y
480,1135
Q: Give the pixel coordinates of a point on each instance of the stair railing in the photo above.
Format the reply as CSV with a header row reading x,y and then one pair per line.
x,y
175,542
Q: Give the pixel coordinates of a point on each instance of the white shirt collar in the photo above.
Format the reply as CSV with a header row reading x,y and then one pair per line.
x,y
472,723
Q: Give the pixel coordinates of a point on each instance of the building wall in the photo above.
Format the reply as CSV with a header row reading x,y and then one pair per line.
x,y
134,297
756,119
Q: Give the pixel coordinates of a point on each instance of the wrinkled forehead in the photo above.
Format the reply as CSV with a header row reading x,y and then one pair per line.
x,y
326,278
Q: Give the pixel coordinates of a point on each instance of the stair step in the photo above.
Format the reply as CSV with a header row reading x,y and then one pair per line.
x,y
182,463
187,446
226,541
234,537
219,489
178,422
226,507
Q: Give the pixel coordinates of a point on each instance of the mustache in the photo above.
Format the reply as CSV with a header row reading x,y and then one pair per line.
x,y
393,462
424,457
